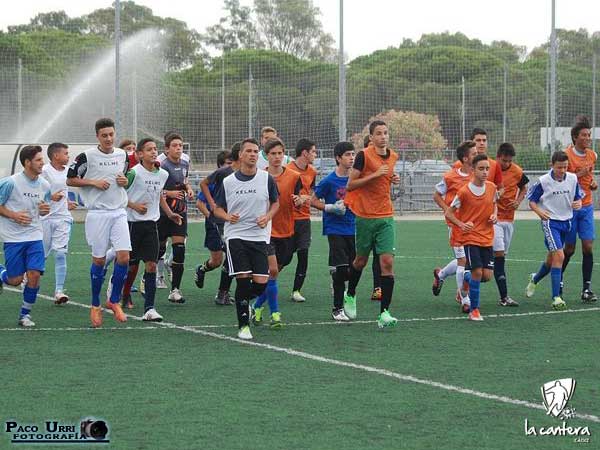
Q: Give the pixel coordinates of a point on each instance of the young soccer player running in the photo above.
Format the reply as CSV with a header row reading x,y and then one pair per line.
x,y
515,188
445,191
338,224
280,249
582,160
57,224
369,197
306,152
479,136
473,212
24,197
247,202
145,199
554,198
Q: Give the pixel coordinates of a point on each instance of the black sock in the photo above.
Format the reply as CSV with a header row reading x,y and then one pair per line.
x,y
586,269
226,280
243,291
387,289
177,265
566,262
339,278
301,269
376,268
353,279
500,276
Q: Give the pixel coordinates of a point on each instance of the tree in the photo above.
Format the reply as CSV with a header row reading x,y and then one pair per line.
x,y
234,31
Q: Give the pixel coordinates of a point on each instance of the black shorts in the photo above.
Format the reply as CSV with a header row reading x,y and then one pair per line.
x,y
167,228
213,236
144,241
342,250
247,257
301,234
479,257
283,249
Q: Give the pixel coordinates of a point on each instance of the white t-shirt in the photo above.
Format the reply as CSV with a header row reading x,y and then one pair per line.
x,y
145,187
58,183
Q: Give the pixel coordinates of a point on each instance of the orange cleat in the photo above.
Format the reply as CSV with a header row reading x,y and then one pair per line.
x,y
475,315
117,311
96,316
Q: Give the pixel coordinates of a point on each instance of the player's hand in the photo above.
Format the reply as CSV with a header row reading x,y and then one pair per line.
x,y
383,170
544,215
22,217
57,196
190,193
593,185
176,218
101,184
140,208
262,221
493,218
121,180
466,226
44,208
583,172
233,218
395,178
71,205
513,204
338,208
179,195
576,204
297,200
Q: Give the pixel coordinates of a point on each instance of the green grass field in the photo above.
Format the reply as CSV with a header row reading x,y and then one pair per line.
x,y
435,381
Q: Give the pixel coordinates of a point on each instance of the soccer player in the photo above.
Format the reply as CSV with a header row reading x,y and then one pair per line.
x,y
582,160
305,155
479,136
99,174
24,197
473,212
445,191
266,134
375,267
280,249
128,146
215,229
515,188
57,224
553,198
177,189
145,199
338,224
369,197
247,202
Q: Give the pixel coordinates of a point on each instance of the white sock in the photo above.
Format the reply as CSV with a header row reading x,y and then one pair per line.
x,y
460,276
449,269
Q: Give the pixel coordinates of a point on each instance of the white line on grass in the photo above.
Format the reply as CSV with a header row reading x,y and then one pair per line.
x,y
340,363
32,329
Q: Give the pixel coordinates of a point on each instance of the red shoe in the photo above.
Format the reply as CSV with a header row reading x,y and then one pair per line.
x,y
475,315
436,286
96,316
117,311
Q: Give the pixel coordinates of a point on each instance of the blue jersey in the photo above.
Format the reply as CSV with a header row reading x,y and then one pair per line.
x,y
202,198
333,188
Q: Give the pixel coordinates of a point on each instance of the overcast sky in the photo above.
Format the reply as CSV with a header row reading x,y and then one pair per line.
x,y
373,25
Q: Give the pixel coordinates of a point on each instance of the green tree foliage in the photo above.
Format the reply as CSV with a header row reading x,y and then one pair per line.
x,y
234,31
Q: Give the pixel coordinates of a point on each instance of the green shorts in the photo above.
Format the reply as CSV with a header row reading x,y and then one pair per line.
x,y
375,234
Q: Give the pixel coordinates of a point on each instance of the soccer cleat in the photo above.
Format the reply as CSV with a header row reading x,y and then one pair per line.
x,y
96,316
160,282
276,320
152,316
376,295
176,297
587,296
350,306
385,319
465,305
530,290
256,314
297,297
436,286
60,298
339,315
117,311
558,304
127,302
142,286
244,333
507,301
199,277
223,298
475,315
26,321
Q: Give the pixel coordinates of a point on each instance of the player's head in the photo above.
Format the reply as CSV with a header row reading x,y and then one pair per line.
x,y
59,153
128,145
560,163
267,133
146,151
224,158
465,153
481,167
105,133
479,136
235,151
581,133
343,152
378,134
366,141
32,159
173,145
275,150
249,152
505,154
306,148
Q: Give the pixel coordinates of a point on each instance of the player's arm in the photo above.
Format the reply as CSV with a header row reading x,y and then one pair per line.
x,y
579,194
206,190
534,195
439,191
451,215
202,208
263,220
522,185
220,210
355,181
21,217
170,214
76,174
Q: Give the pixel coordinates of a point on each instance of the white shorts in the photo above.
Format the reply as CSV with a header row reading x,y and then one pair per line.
x,y
503,232
105,229
56,235
459,252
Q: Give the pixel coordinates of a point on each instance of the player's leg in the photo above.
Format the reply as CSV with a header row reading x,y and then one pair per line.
x,y
302,237
33,261
257,306
97,232
473,255
551,245
571,238
376,269
587,236
61,234
178,237
339,261
164,231
212,241
148,252
502,236
135,235
385,247
121,242
222,297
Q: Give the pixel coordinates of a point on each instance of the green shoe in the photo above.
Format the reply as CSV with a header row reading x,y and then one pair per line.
x,y
257,315
276,320
558,303
350,306
385,319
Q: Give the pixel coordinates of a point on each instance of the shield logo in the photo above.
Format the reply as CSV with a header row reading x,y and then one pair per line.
x,y
556,395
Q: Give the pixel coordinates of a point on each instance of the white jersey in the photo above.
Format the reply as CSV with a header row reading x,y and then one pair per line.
x,y
58,183
184,157
145,187
556,196
262,162
21,193
94,164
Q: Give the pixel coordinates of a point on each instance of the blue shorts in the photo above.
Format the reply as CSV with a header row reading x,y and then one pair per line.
x,y
555,232
582,224
23,256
